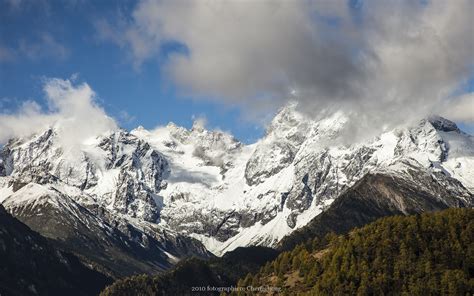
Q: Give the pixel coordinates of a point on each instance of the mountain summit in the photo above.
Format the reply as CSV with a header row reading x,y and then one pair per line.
x,y
174,192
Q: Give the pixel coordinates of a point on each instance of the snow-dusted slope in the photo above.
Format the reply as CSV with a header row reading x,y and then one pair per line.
x,y
98,200
207,185
118,171
270,188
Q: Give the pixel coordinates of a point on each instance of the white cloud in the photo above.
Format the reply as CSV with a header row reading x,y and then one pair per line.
x,y
386,62
199,121
460,108
72,109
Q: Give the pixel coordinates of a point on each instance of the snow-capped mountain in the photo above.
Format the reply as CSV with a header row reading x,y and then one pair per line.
x,y
96,200
208,186
268,189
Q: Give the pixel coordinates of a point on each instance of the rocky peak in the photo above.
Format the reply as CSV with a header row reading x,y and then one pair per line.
x,y
285,134
115,169
199,125
443,124
290,125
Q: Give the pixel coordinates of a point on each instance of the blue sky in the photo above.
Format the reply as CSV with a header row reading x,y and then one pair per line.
x,y
132,96
43,39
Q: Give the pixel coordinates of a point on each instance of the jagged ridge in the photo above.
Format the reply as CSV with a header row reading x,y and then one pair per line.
x,y
206,185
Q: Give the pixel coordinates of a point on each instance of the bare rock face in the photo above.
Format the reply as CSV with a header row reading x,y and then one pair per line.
x,y
279,147
268,160
443,124
141,171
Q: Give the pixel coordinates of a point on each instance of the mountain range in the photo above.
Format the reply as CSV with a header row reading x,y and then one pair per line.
x,y
131,202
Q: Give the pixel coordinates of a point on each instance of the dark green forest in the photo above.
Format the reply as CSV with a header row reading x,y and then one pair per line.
x,y
428,254
217,272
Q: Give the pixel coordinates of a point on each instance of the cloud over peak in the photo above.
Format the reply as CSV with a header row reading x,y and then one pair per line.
x,y
72,109
383,60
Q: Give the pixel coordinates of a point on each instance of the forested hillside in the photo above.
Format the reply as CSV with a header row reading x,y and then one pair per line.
x,y
217,272
428,254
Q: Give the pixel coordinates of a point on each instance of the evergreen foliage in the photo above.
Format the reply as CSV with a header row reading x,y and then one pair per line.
x,y
218,272
428,254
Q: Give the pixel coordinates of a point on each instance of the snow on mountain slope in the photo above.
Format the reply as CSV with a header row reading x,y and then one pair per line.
x,y
460,159
117,170
99,200
209,186
117,246
270,188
